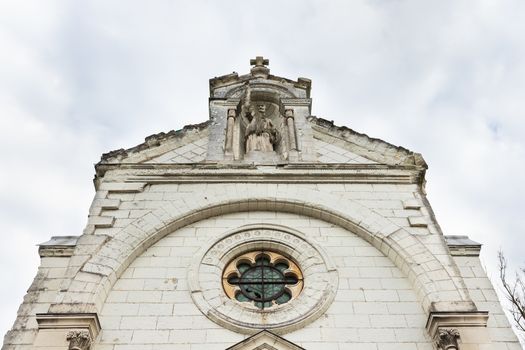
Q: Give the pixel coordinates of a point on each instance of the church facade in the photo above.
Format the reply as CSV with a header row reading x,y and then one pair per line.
x,y
262,228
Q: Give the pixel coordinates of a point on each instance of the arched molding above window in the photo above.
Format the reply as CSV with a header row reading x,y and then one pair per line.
x,y
205,278
409,252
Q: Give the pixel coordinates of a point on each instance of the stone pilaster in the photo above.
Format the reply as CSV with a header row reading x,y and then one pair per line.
x,y
300,134
232,113
292,142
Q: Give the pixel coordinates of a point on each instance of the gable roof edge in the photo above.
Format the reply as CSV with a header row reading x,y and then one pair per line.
x,y
376,149
150,142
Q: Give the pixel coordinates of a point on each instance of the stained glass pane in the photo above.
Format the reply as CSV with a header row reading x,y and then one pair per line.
x,y
243,267
281,266
241,297
234,280
263,260
290,279
263,282
283,298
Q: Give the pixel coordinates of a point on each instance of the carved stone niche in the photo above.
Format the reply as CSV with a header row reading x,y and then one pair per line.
x,y
265,340
261,124
262,127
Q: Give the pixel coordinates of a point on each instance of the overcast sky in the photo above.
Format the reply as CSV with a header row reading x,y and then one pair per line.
x,y
80,78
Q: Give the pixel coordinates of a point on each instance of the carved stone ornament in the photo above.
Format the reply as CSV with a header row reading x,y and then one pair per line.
x,y
447,339
219,257
79,340
260,70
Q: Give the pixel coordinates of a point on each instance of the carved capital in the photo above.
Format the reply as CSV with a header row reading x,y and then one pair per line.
x,y
447,339
78,340
232,113
288,113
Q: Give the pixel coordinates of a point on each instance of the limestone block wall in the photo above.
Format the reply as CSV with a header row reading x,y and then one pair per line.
x,y
51,275
499,334
150,306
394,214
392,222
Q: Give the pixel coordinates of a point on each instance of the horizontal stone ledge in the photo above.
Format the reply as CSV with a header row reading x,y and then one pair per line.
x,y
462,246
122,187
284,167
107,204
58,246
417,221
279,179
101,221
455,319
413,204
86,321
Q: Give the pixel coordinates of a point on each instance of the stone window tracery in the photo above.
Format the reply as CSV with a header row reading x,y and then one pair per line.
x,y
262,278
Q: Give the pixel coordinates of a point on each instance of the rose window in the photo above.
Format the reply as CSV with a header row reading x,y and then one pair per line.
x,y
262,278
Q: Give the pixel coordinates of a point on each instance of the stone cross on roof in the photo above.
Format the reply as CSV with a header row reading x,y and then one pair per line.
x,y
259,61
260,70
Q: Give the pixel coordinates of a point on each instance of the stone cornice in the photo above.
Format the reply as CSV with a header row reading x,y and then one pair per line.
x,y
451,320
74,321
296,101
235,78
58,246
462,246
296,173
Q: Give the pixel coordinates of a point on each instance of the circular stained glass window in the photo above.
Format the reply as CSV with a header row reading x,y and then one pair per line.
x,y
262,278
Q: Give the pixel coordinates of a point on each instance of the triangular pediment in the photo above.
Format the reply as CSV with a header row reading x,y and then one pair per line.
x,y
265,340
334,153
192,152
340,144
261,119
188,145
332,144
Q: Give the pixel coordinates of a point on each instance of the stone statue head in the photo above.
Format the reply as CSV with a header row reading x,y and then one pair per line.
x,y
261,107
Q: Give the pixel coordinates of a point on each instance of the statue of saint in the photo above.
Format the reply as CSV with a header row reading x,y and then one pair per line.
x,y
261,135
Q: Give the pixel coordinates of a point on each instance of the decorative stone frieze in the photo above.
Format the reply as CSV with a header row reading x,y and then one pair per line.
x,y
79,340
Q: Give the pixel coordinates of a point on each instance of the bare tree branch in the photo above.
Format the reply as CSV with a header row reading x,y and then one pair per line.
x,y
514,292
